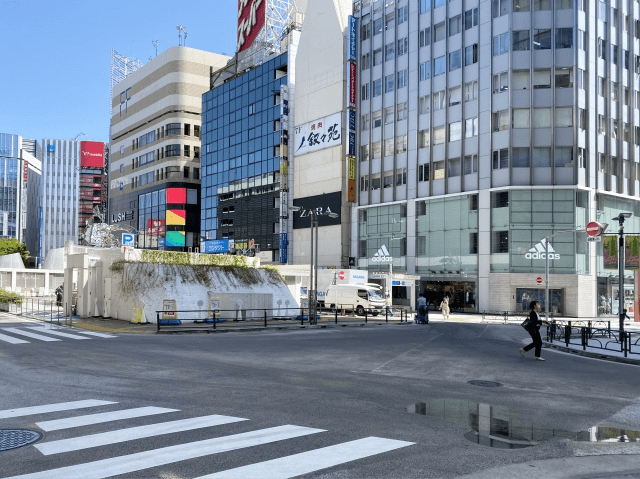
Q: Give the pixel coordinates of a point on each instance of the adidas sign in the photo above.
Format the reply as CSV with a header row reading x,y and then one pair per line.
x,y
537,252
382,256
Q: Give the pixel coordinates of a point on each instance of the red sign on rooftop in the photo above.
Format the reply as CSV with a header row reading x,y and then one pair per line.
x,y
91,154
252,15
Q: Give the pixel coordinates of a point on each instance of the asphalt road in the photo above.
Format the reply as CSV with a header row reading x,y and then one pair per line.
x,y
334,385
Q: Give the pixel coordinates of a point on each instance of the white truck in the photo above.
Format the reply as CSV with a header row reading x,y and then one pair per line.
x,y
355,297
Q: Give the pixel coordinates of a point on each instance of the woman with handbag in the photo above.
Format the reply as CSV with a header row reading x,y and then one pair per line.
x,y
532,325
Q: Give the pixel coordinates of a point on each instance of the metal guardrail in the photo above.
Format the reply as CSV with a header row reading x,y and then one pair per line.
x,y
193,320
39,309
589,336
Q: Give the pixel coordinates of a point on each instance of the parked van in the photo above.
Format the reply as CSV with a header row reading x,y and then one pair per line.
x,y
355,297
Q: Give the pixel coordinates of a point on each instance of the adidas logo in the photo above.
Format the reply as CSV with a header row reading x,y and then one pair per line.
x,y
537,252
382,256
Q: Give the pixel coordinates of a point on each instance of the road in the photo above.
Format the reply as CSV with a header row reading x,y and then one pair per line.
x,y
328,403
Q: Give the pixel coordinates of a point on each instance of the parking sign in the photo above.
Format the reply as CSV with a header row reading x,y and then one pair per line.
x,y
127,239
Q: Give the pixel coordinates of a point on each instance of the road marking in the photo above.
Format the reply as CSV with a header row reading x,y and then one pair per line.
x,y
167,455
102,417
57,333
9,339
311,461
64,406
129,434
31,335
93,333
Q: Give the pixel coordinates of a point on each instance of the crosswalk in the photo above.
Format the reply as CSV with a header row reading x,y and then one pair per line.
x,y
279,467
47,333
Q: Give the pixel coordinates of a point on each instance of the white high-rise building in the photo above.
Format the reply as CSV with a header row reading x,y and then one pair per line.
x,y
486,126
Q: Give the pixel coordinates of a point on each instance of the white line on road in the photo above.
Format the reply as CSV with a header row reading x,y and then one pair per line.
x,y
102,417
31,335
167,455
64,406
93,333
311,461
9,339
129,434
57,333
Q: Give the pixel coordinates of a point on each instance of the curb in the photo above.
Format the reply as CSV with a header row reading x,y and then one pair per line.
x,y
588,354
273,328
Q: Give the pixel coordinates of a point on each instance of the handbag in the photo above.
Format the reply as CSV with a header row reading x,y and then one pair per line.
x,y
527,323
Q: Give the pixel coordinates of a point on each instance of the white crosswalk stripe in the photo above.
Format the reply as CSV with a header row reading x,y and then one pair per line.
x,y
93,333
281,468
29,334
129,434
55,332
12,340
64,406
89,419
311,461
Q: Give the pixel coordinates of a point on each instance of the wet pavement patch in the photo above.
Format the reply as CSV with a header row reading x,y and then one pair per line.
x,y
501,427
484,384
14,438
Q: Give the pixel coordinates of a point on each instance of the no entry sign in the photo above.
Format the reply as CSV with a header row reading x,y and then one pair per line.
x,y
594,228
539,280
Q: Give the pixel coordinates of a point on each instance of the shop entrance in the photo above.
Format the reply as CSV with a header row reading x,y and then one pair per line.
x,y
524,296
462,294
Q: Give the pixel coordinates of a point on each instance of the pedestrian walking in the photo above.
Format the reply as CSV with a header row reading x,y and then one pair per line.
x,y
532,326
444,306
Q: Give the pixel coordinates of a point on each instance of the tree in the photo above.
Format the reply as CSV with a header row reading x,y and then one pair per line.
x,y
12,245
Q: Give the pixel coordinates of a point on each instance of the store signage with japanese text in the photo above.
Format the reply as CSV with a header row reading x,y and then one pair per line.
x,y
352,132
317,135
352,87
252,15
353,38
91,154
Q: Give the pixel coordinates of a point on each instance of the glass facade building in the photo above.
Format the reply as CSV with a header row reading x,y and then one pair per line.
x,y
241,158
497,124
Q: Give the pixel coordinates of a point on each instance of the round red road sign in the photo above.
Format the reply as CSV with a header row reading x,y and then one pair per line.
x,y
593,228
341,276
539,280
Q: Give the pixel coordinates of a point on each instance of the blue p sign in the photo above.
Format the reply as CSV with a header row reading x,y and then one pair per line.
x,y
127,239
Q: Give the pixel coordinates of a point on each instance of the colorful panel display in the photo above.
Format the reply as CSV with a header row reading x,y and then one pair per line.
x,y
176,217
177,196
155,227
175,238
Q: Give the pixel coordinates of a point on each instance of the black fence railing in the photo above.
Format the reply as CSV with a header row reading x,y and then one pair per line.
x,y
39,309
261,317
593,334
507,316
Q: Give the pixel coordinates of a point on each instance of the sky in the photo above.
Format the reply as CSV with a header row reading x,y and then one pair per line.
x,y
55,56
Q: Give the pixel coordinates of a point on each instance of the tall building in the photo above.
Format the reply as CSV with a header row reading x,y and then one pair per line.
x,y
484,127
154,164
19,178
32,194
93,182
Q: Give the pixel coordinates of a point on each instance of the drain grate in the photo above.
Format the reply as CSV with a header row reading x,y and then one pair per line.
x,y
484,384
14,438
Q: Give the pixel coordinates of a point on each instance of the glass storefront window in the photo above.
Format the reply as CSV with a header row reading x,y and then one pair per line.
x,y
524,296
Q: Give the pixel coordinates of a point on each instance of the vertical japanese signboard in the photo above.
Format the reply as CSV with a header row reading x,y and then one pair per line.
x,y
353,38
252,15
351,179
351,119
352,85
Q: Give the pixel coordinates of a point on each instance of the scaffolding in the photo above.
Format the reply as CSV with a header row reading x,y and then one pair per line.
x,y
121,68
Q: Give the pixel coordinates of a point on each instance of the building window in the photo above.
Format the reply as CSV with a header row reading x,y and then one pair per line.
x,y
439,100
186,172
471,127
423,172
520,157
401,177
364,92
500,242
425,71
455,60
583,39
365,28
521,5
187,151
403,46
455,131
402,111
520,118
388,115
439,31
500,82
376,150
542,79
389,52
196,131
542,39
364,61
425,6
424,103
542,117
471,54
471,91
364,153
471,166
196,152
438,135
364,122
454,167
439,66
520,79
388,147
499,7
564,37
564,116
377,119
425,138
377,87
471,18
564,157
401,144
501,159
541,5
377,26
564,77
364,183
425,37
455,25
389,83
500,44
582,119
473,243
187,129
500,120
173,129
389,21
172,150
403,14
602,48
521,40
403,78
455,96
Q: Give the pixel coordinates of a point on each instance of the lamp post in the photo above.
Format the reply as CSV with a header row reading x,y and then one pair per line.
x,y
313,259
621,257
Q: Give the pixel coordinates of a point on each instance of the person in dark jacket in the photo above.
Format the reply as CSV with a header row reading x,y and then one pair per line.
x,y
534,330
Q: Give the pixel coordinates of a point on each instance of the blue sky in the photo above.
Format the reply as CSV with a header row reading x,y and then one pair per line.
x,y
54,56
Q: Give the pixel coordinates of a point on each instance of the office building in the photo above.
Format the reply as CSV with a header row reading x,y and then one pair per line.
x,y
484,127
154,167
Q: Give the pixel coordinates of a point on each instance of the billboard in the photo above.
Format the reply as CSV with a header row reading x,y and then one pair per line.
x,y
91,154
327,203
252,15
317,135
353,38
175,239
610,252
352,84
216,246
176,196
155,227
176,217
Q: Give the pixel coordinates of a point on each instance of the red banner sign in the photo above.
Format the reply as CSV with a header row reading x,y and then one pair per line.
x,y
91,154
155,227
353,87
252,15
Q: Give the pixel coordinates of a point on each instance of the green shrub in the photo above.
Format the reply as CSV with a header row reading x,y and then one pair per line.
x,y
9,297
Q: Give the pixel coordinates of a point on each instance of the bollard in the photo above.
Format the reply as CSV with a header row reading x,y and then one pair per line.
x,y
567,334
158,320
265,318
386,315
336,315
365,315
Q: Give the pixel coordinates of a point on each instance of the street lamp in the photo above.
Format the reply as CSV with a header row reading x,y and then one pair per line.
x,y
313,260
622,313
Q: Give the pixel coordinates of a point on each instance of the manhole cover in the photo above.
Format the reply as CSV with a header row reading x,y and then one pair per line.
x,y
484,384
14,438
